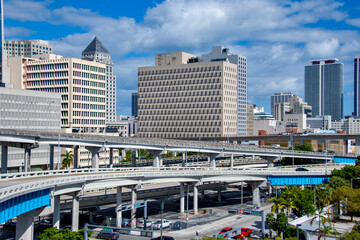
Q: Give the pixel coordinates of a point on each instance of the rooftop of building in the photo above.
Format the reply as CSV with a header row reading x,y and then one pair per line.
x,y
95,47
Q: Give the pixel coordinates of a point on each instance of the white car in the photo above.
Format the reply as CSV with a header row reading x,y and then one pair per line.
x,y
166,223
140,223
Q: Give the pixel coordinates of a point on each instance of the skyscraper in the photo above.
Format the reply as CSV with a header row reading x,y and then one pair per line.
x,y
356,86
134,104
220,53
96,52
324,81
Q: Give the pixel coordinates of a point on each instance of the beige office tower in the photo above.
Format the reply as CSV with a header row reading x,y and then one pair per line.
x,y
182,97
82,85
27,48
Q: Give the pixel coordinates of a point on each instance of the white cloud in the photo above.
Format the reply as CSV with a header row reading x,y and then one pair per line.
x,y
27,10
325,48
17,32
354,22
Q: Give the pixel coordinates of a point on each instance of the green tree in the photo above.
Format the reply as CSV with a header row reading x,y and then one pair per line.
x,y
68,159
281,223
291,232
324,223
336,181
304,202
323,194
143,153
303,147
270,220
279,204
62,234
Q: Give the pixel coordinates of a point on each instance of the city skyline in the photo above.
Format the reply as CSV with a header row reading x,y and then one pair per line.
x,y
277,46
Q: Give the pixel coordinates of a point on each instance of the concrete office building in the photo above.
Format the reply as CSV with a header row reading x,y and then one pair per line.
x,y
279,98
294,105
27,48
82,85
134,104
96,52
188,99
29,110
220,53
351,125
324,87
357,86
250,119
320,122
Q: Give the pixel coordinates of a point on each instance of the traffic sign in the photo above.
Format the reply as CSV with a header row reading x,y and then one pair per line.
x,y
240,211
256,213
108,230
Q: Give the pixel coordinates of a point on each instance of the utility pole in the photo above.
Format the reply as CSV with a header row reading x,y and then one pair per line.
x,y
187,206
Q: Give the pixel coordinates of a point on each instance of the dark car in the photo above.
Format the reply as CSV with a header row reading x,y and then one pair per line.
x,y
108,234
301,169
179,226
164,238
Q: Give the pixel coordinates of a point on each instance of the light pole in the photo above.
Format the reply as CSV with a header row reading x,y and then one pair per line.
x,y
187,207
47,123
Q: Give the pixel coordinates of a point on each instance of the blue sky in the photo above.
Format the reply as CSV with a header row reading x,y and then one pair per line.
x,y
278,37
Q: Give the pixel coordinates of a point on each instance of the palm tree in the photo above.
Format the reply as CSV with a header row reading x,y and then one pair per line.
x,y
68,159
288,196
325,221
279,204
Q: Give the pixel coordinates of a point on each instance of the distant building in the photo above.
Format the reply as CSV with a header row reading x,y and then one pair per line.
x,y
357,86
320,122
324,87
82,85
187,99
294,105
27,48
250,119
259,113
134,104
279,98
29,110
96,52
351,125
220,53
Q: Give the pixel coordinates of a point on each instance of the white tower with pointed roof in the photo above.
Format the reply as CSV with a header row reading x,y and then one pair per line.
x,y
96,52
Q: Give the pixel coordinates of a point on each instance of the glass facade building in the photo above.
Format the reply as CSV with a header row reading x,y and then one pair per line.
x,y
356,86
324,86
134,104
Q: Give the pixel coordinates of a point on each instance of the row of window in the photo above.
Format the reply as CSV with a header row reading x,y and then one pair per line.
x,y
47,75
47,66
179,117
88,75
182,106
181,76
88,67
180,88
179,70
179,82
88,114
178,135
88,121
158,130
47,82
181,111
88,106
88,98
171,124
52,89
88,83
179,94
88,91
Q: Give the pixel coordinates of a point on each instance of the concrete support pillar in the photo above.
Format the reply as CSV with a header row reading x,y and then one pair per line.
x,y
56,213
270,161
123,154
111,157
182,198
195,198
51,158
133,211
183,162
75,213
231,161
212,160
156,156
91,217
76,156
118,205
161,160
253,157
94,156
256,192
269,188
134,153
219,195
4,158
27,159
25,226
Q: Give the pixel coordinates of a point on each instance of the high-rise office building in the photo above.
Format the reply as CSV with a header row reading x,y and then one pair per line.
x,y
220,53
26,48
357,86
134,104
279,98
96,52
82,85
187,100
324,87
294,105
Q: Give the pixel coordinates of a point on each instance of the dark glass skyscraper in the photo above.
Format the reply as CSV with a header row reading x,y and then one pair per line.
x,y
134,104
324,86
356,86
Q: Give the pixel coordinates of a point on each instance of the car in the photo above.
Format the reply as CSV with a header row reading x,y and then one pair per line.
x,y
245,232
125,222
164,238
301,169
165,224
140,223
179,225
109,234
9,225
